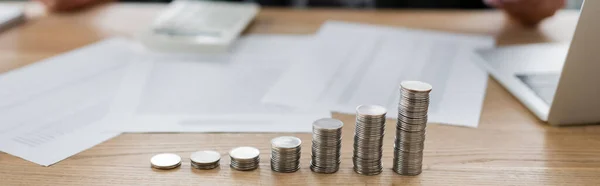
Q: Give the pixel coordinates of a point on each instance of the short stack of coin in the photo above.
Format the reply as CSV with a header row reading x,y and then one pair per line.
x,y
326,145
205,160
410,129
285,154
165,161
244,158
368,139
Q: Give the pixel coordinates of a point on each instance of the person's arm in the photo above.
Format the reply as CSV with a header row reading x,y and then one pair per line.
x,y
528,12
69,5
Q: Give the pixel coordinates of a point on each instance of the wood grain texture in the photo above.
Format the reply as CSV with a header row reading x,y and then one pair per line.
x,y
510,147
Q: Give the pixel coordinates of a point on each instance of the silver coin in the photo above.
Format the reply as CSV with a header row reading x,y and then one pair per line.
x,y
327,124
323,161
326,150
165,161
328,167
414,97
407,103
368,172
205,157
416,86
412,108
244,168
286,142
245,165
371,110
411,128
205,160
285,154
405,136
244,153
407,171
410,114
329,143
412,121
244,158
324,170
205,166
320,157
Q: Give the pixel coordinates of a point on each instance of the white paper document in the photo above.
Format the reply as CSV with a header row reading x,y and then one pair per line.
x,y
195,93
355,64
54,109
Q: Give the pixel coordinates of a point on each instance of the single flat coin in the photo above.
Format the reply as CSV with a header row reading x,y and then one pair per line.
x,y
205,157
328,124
416,86
244,153
165,161
286,142
371,110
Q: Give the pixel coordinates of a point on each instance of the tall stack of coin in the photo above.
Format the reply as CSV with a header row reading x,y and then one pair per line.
x,y
410,129
244,158
326,145
368,139
285,154
205,160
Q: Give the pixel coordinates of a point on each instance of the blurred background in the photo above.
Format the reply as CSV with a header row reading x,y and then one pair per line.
x,y
571,4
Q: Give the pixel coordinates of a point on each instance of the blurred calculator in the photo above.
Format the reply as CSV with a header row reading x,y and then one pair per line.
x,y
10,15
194,26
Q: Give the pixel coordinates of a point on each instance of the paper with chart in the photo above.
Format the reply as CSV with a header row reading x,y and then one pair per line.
x,y
55,108
356,64
195,93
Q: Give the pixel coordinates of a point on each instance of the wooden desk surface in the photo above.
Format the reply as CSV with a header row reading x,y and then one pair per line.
x,y
510,147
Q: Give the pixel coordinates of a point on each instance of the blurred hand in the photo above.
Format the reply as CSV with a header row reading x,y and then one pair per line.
x,y
528,12
67,5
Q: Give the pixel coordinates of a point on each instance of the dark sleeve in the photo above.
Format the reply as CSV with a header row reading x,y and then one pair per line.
x,y
462,4
274,2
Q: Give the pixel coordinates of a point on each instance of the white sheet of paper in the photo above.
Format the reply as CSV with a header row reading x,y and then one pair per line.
x,y
356,64
54,109
178,93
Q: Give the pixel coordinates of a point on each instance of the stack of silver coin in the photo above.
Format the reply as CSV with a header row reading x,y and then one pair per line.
x,y
165,161
205,160
368,139
285,154
326,145
244,158
410,129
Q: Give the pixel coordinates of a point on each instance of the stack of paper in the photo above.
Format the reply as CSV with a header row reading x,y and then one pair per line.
x,y
190,93
267,83
55,108
354,64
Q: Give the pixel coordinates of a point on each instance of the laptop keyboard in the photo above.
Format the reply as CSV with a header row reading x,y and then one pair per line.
x,y
544,85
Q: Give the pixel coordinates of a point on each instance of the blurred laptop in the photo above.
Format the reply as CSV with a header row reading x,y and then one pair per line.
x,y
10,15
559,83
